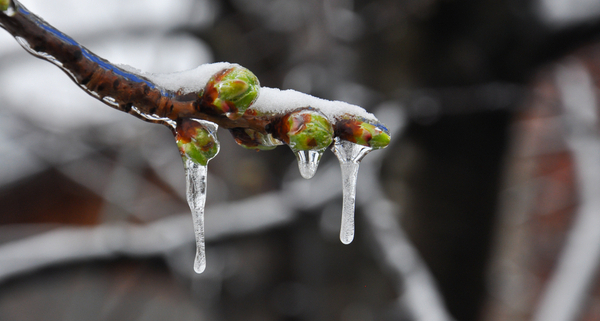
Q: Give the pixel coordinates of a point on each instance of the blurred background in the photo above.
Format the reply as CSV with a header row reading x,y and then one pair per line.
x,y
485,207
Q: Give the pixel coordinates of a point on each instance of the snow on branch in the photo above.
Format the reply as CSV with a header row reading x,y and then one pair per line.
x,y
222,93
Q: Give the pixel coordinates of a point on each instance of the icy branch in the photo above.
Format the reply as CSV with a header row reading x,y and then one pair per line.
x,y
221,93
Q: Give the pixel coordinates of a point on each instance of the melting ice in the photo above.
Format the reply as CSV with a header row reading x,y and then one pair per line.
x,y
308,162
349,154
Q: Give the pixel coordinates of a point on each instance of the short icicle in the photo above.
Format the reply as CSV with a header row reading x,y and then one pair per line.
x,y
308,162
349,155
198,144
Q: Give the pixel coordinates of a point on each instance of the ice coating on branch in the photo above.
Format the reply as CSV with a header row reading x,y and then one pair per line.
x,y
273,100
349,155
187,81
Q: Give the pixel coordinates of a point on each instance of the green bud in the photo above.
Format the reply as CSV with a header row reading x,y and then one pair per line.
x,y
4,4
197,141
378,137
308,130
232,91
362,132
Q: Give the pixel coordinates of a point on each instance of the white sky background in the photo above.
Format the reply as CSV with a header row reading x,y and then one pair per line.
x,y
133,32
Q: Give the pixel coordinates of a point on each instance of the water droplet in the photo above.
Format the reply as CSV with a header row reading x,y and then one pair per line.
x,y
349,155
308,162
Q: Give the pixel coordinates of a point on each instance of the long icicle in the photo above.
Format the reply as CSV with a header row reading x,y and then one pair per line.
x,y
198,144
196,175
349,155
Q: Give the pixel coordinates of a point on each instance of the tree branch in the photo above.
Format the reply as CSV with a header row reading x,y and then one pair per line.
x,y
225,99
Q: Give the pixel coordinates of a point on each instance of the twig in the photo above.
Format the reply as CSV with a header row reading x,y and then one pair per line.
x,y
223,100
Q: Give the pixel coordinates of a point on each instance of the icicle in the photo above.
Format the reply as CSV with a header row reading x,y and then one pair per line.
x,y
198,144
196,197
308,162
349,154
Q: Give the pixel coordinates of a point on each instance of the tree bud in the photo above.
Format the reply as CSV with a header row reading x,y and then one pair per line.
x,y
231,91
197,140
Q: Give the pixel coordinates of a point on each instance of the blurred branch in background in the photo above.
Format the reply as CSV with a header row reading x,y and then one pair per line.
x,y
577,267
